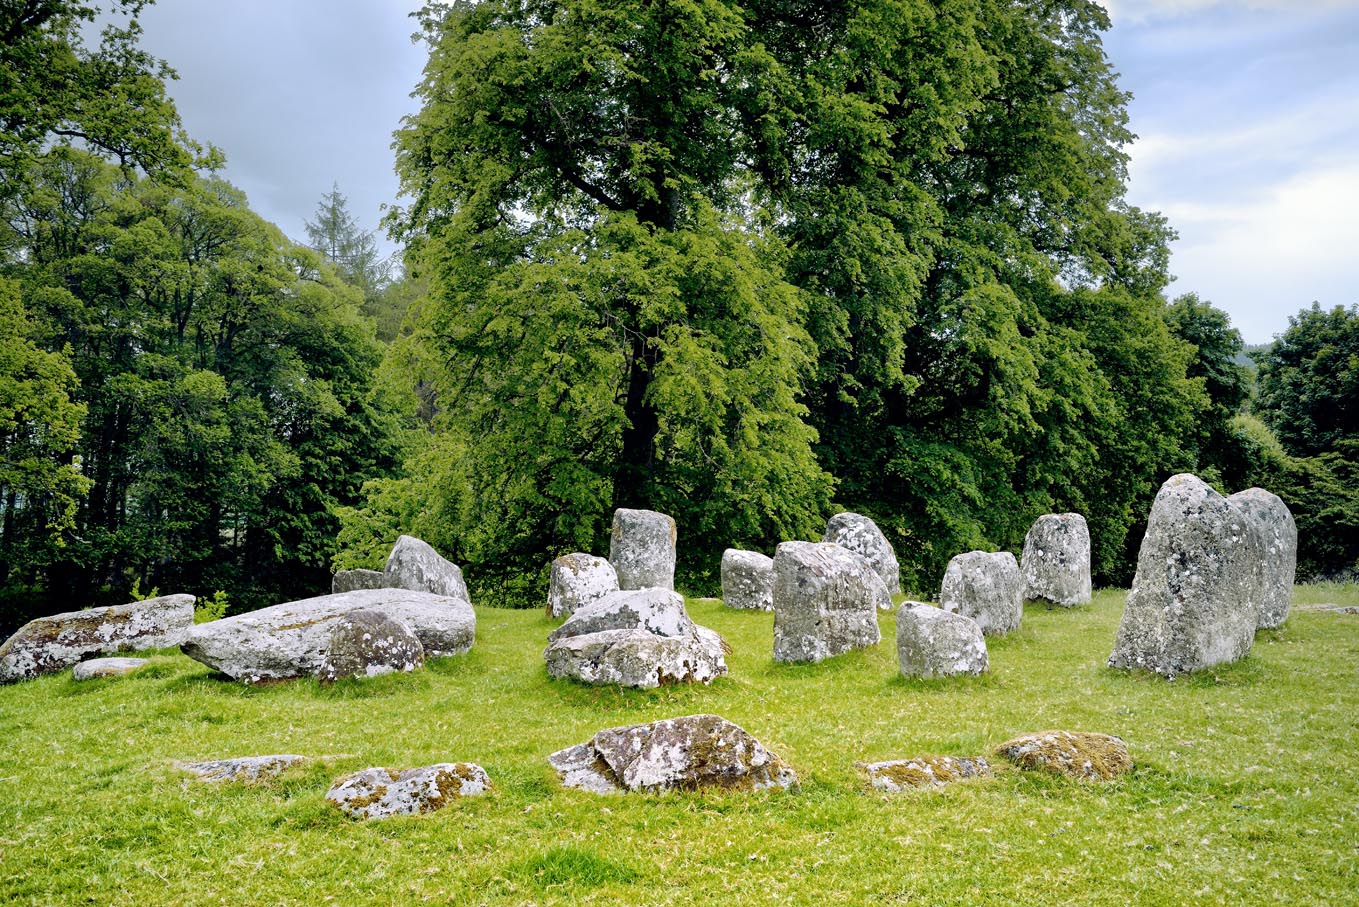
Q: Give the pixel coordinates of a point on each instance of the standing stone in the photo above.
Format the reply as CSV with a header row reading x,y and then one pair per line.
x,y
100,668
862,536
1195,598
376,793
985,587
747,580
50,644
932,642
349,580
291,639
1276,537
825,601
414,565
642,549
576,580
365,643
689,753
1056,560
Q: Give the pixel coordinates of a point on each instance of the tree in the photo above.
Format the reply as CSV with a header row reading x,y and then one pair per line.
x,y
351,249
1309,381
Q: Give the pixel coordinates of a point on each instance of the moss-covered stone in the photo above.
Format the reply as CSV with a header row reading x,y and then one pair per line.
x,y
1092,757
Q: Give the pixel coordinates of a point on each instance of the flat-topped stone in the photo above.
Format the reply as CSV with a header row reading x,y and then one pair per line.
x,y
415,565
747,580
826,600
642,549
638,658
898,775
656,610
861,535
932,642
1090,757
50,644
247,769
986,587
377,793
349,580
1056,560
577,580
97,668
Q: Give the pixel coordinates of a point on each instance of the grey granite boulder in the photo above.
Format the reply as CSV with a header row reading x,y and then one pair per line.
x,y
656,610
1056,560
291,640
689,753
826,600
927,771
377,793
1194,601
50,644
1089,757
932,642
747,580
576,580
1276,556
248,769
862,536
642,549
638,658
98,668
366,643
986,587
349,580
414,565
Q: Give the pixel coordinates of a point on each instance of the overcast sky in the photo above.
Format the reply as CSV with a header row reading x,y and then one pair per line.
x,y
1247,112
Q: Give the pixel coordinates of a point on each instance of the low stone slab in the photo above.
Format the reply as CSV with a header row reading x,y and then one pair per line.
x,y
577,580
932,642
366,643
1194,601
928,771
826,600
97,668
349,580
861,535
642,549
1276,556
378,793
414,565
1091,757
247,769
986,587
638,658
747,580
656,610
688,753
1056,560
50,644
291,639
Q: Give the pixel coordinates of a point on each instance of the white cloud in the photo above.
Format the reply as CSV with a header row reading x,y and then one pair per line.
x,y
1142,11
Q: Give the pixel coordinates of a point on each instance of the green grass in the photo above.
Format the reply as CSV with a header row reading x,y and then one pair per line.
x,y
1245,790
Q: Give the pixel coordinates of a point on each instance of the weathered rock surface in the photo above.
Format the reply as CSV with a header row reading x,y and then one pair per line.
x,y
291,640
747,580
826,600
414,565
642,549
637,658
106,667
377,793
50,644
248,769
1276,556
365,643
1056,560
349,580
696,751
928,771
862,536
986,587
932,642
656,610
576,580
1093,757
1195,598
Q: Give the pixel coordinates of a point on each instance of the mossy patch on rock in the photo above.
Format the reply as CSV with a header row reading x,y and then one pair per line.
x,y
1092,757
925,771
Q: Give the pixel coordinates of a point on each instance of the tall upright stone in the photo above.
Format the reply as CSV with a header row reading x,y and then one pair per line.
x,y
747,580
825,601
415,565
576,580
642,549
1056,560
986,587
862,536
1195,598
1276,538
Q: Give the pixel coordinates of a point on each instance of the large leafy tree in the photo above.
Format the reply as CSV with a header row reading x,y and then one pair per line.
x,y
1309,381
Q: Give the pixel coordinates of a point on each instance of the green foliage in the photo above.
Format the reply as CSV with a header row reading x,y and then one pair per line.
x,y
210,608
1309,381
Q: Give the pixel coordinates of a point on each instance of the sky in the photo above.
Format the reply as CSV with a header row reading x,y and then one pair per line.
x,y
1247,113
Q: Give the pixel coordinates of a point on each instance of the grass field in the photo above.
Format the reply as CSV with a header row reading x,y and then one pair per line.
x,y
1246,787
